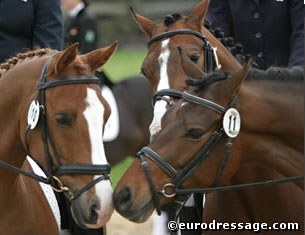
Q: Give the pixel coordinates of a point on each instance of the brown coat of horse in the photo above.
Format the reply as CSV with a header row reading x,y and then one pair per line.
x,y
175,73
24,209
268,147
192,46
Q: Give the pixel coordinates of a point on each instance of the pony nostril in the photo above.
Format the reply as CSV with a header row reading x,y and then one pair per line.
x,y
123,199
93,214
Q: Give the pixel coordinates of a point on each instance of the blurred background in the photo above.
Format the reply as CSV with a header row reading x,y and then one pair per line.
x,y
116,23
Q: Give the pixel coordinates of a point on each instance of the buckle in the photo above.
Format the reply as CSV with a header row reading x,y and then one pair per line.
x,y
59,187
165,188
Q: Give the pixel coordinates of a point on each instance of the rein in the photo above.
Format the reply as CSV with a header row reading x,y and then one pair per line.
x,y
210,56
229,130
37,114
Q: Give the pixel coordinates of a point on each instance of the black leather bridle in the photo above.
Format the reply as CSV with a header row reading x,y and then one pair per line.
x,y
171,190
210,57
52,175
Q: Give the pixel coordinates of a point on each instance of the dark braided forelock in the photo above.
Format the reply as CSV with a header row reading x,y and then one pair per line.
x,y
171,19
9,63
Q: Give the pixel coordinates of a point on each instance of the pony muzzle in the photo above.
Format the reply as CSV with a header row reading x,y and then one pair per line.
x,y
93,208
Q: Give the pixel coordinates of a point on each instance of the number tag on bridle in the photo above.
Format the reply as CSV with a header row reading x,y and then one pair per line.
x,y
231,122
33,114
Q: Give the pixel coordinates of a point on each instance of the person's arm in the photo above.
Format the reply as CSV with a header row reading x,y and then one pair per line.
x,y
219,15
297,33
48,24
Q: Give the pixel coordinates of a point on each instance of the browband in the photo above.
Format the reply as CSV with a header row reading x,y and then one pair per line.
x,y
175,32
67,81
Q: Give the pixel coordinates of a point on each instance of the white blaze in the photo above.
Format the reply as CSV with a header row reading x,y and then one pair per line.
x,y
94,114
160,106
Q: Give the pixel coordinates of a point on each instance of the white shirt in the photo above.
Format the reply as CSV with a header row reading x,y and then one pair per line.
x,y
73,13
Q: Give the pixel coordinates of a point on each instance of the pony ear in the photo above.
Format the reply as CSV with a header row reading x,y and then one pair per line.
x,y
146,25
198,14
66,57
97,58
233,83
190,68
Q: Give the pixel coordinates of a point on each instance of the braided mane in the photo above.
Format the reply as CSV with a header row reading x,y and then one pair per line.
x,y
236,48
11,62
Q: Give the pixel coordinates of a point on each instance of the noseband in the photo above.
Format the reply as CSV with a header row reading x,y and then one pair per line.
x,y
229,129
39,114
210,56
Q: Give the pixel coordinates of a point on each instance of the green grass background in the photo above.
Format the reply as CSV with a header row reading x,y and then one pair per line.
x,y
123,64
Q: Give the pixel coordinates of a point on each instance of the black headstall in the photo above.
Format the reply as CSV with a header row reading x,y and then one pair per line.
x,y
174,189
210,56
52,174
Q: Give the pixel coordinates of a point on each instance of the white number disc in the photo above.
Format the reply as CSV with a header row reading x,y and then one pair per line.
x,y
33,114
231,122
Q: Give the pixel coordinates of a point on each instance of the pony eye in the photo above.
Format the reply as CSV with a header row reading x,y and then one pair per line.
x,y
63,119
195,58
194,133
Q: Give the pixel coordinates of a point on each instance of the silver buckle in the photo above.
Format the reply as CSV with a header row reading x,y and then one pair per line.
x,y
163,191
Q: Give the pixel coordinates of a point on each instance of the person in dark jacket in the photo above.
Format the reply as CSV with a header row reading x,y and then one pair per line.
x,y
29,24
80,26
272,31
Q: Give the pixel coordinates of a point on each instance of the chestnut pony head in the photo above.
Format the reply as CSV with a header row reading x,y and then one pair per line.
x,y
67,141
162,65
186,128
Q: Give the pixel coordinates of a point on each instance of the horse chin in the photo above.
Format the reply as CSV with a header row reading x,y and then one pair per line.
x,y
93,211
142,214
103,218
